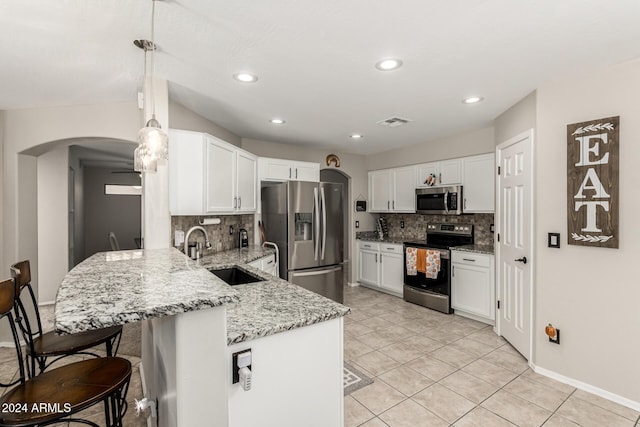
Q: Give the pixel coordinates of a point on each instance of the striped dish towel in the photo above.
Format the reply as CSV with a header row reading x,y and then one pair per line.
x,y
411,261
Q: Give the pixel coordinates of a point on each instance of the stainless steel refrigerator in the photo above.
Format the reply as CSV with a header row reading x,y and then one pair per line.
x,y
305,220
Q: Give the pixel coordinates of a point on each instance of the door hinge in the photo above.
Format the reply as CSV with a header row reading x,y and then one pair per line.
x,y
498,237
498,170
498,304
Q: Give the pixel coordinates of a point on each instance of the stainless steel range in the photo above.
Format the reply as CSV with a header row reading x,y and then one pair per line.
x,y
433,290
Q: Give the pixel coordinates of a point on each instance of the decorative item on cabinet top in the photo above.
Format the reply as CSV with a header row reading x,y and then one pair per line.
x,y
332,158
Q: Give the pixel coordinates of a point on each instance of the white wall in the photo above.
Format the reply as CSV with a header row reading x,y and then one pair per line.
x,y
352,164
1,186
31,131
517,119
53,236
478,141
182,118
591,294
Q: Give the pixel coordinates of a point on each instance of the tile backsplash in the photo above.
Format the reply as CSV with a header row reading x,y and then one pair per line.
x,y
415,225
219,235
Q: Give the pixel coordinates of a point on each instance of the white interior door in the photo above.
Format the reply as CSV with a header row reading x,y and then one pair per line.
x,y
514,248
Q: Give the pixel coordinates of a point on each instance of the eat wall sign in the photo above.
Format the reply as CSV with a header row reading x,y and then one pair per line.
x,y
592,182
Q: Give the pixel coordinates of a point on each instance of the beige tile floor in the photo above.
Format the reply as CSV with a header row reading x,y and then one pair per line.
x,y
432,369
429,369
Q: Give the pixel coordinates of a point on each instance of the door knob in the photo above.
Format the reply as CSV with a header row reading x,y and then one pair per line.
x,y
522,260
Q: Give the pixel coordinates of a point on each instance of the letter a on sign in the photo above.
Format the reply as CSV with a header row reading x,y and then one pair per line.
x,y
592,183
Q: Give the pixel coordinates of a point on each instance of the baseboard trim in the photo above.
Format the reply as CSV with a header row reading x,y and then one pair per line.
x,y
45,303
588,388
353,284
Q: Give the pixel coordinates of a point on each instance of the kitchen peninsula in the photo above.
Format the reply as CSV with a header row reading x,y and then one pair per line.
x,y
194,322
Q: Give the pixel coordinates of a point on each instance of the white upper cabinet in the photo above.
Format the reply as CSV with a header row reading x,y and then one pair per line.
x,y
246,183
450,172
404,189
379,191
393,190
287,170
479,184
446,172
208,175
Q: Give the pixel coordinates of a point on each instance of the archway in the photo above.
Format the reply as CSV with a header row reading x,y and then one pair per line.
x,y
51,202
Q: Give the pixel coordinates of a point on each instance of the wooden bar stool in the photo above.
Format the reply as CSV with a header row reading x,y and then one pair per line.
x,y
56,395
42,346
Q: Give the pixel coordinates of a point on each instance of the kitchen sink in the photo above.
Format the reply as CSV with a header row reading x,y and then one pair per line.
x,y
235,276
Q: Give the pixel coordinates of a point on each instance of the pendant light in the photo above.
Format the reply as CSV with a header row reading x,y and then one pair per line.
x,y
152,139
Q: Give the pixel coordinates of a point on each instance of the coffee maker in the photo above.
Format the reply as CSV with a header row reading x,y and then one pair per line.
x,y
243,238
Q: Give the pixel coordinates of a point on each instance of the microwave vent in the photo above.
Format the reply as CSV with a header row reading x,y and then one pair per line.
x,y
394,122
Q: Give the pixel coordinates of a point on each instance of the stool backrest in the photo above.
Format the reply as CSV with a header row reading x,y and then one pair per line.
x,y
7,303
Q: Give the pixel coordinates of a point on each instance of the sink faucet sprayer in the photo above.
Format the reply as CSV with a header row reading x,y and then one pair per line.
x,y
207,244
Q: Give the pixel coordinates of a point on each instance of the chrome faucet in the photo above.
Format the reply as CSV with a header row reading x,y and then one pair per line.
x,y
207,244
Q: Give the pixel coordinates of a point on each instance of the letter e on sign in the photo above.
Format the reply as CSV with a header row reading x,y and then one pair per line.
x,y
592,182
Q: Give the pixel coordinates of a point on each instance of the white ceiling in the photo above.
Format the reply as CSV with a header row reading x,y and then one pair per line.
x,y
315,59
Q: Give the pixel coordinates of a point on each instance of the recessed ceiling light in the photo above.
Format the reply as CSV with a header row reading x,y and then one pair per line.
x,y
245,77
388,64
356,136
277,121
472,99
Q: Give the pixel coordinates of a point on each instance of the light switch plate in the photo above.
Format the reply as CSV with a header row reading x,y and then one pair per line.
x,y
553,240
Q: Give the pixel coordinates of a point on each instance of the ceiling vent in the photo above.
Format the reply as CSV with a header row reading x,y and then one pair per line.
x,y
394,122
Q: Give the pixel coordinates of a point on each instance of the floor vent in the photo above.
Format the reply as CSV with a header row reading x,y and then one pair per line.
x,y
394,122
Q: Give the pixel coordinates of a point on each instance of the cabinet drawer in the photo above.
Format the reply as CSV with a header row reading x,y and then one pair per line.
x,y
390,248
471,258
369,245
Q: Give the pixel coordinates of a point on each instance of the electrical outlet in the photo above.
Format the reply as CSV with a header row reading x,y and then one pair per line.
x,y
357,224
178,237
401,224
231,230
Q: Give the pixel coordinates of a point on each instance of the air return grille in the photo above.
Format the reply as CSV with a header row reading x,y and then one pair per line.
x,y
394,122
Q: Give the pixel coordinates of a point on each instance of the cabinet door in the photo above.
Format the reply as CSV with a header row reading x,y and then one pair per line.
x,y
471,290
275,169
391,271
368,267
424,170
186,172
404,190
220,177
306,171
246,182
379,191
450,172
479,184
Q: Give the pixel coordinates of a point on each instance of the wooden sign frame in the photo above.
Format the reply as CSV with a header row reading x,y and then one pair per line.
x,y
593,203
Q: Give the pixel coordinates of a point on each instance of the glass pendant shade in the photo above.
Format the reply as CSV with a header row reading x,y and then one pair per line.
x,y
153,147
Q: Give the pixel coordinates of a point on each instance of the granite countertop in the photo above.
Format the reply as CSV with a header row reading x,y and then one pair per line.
x,y
113,288
236,256
482,249
254,310
397,240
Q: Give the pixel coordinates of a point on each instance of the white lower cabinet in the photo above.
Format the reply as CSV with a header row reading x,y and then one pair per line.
x,y
266,264
473,292
381,266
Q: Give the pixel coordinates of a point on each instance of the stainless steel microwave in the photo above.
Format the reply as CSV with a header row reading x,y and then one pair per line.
x,y
439,200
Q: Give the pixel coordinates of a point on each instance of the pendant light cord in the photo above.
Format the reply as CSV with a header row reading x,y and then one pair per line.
x,y
153,48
